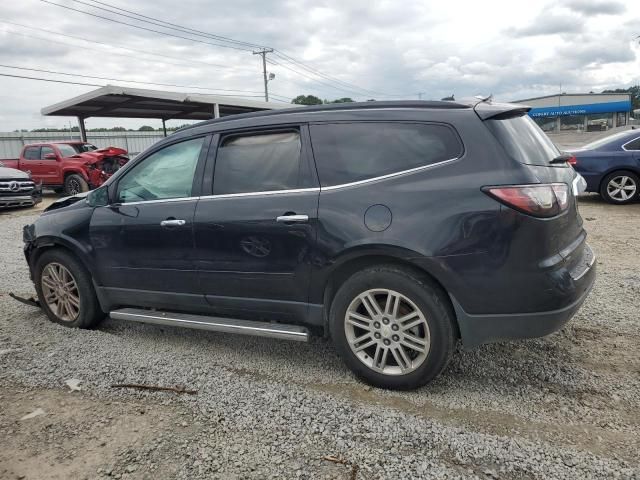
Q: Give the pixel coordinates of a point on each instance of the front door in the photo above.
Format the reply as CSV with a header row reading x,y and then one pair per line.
x,y
49,166
255,234
143,243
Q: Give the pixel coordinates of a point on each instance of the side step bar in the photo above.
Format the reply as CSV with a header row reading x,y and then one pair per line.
x,y
214,324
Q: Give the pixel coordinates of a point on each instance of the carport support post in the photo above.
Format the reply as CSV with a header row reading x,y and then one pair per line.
x,y
164,127
83,130
216,110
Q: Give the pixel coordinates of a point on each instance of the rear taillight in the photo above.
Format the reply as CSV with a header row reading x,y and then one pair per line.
x,y
544,200
572,161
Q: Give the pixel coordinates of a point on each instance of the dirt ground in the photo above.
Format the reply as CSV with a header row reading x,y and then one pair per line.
x,y
584,400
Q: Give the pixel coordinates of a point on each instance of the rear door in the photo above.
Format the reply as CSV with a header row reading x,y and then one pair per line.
x,y
255,233
143,243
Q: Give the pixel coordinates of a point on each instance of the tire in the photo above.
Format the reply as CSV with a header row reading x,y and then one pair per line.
x,y
620,196
75,184
432,317
87,313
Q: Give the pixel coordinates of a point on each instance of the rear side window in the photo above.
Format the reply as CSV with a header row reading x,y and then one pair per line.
x,y
258,163
350,152
32,153
633,145
523,140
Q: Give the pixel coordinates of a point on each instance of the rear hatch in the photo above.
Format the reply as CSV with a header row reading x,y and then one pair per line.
x,y
527,144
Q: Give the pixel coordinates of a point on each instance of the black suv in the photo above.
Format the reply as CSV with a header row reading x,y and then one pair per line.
x,y
394,228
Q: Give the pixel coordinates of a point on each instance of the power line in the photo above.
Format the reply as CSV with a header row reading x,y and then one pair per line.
x,y
126,81
179,27
115,45
168,25
90,84
144,28
50,80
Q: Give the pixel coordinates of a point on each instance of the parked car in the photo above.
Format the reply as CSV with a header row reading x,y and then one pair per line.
x,y
611,166
69,167
394,228
17,189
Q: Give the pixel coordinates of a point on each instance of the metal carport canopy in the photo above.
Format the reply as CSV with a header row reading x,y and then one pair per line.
x,y
125,102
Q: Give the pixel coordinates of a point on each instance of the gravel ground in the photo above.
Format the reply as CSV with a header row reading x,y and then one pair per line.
x,y
565,406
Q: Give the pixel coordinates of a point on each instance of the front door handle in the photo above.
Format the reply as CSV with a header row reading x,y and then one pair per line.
x,y
172,223
292,219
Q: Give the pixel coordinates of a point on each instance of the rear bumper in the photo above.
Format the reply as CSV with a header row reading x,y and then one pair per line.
x,y
479,329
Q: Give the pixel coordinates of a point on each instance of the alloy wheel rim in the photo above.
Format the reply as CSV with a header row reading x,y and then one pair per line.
x,y
387,332
60,292
74,187
621,188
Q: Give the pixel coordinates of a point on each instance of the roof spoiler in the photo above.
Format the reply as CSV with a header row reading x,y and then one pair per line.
x,y
486,108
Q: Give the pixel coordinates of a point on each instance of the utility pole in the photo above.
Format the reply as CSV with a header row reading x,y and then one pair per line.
x,y
264,52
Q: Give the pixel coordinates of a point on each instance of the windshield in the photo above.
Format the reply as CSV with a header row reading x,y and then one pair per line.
x,y
523,140
606,140
66,150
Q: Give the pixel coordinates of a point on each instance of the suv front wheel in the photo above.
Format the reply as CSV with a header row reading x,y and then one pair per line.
x,y
392,327
65,290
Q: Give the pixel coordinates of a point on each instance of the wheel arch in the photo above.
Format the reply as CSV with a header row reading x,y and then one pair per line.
x,y
349,266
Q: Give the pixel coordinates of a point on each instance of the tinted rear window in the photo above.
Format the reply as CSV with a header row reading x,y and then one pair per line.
x,y
523,140
258,163
350,152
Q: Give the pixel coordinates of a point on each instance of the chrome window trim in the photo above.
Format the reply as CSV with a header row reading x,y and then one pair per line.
x,y
160,200
390,175
627,143
265,193
298,190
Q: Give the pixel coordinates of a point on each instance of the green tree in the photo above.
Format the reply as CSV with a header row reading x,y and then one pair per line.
x,y
341,100
635,95
306,100
146,128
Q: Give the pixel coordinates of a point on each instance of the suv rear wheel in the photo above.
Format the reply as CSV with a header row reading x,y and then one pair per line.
x,y
65,290
392,327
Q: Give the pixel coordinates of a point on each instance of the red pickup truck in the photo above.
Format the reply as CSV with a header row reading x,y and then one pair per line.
x,y
69,167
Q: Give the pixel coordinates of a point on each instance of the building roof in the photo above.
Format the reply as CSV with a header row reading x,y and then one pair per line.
x,y
572,95
125,102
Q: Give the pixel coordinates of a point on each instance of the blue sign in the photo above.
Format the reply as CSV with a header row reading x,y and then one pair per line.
x,y
609,107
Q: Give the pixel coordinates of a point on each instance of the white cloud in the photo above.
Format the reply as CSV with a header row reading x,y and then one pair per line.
x,y
511,49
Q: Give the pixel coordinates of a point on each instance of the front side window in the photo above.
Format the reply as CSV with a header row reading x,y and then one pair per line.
x,y
351,152
46,151
165,174
258,163
32,153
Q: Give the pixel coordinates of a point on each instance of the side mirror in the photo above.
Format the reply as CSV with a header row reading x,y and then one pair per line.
x,y
50,156
98,197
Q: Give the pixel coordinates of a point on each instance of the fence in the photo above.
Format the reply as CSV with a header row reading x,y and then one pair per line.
x,y
11,143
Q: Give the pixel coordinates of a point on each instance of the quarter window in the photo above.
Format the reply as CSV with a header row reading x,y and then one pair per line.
x,y
633,145
350,152
258,163
165,174
32,153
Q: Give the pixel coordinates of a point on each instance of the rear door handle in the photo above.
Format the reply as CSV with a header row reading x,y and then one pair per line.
x,y
172,223
292,219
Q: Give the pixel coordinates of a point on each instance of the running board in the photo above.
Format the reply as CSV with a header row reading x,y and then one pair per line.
x,y
214,324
